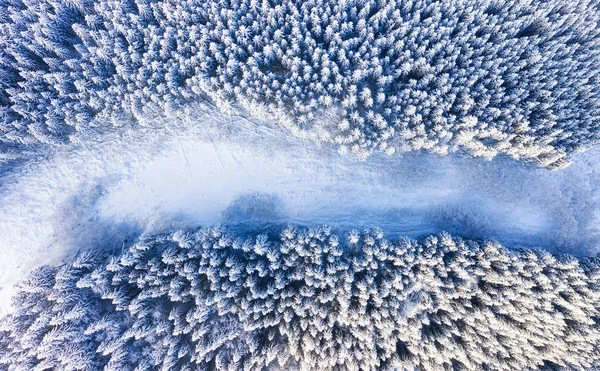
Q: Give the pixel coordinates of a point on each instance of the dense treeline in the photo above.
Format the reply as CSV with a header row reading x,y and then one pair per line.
x,y
307,299
488,77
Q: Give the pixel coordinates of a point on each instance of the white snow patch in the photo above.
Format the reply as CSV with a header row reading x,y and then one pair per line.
x,y
231,171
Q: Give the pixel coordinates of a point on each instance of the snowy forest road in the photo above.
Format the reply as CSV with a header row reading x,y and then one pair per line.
x,y
250,176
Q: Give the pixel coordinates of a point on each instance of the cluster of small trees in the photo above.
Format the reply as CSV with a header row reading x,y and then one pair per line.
x,y
307,300
512,77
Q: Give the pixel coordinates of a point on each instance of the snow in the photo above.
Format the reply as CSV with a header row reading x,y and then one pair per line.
x,y
232,171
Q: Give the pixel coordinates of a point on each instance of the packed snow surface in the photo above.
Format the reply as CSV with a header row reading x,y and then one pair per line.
x,y
250,175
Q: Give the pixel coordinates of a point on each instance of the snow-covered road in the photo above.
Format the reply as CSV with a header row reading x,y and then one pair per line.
x,y
237,173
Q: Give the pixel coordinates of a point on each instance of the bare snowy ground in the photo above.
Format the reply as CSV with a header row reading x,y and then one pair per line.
x,y
243,175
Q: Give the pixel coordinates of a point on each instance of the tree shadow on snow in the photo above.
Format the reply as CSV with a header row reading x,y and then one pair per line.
x,y
254,213
79,227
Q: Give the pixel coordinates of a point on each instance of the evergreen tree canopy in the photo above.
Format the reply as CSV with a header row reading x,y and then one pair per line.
x,y
307,299
487,77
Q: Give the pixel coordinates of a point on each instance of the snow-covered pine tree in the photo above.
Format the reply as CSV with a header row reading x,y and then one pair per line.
x,y
307,299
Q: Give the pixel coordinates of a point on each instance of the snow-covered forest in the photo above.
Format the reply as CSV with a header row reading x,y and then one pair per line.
x,y
167,169
307,299
517,78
